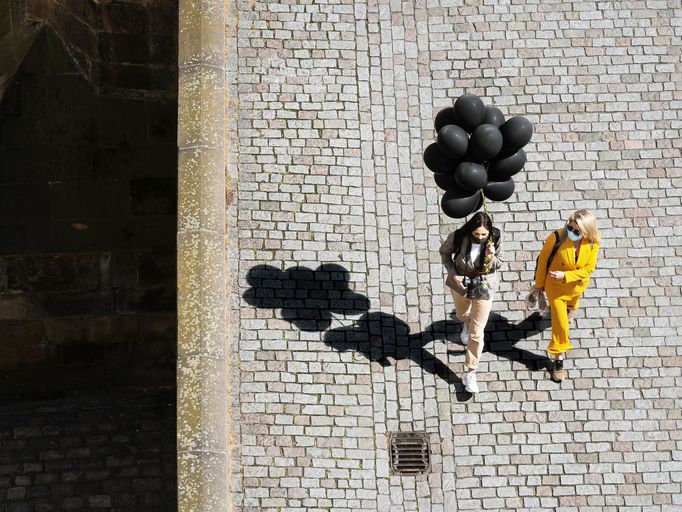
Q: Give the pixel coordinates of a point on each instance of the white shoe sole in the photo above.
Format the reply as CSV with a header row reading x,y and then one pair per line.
x,y
468,388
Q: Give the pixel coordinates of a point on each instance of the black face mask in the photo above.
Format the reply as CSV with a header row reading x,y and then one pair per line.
x,y
475,240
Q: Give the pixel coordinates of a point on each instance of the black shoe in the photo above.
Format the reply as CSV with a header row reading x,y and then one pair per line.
x,y
557,371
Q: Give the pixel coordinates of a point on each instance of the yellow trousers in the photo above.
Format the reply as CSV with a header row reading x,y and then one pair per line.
x,y
559,306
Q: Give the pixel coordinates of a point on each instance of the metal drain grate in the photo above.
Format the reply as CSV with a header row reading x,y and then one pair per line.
x,y
410,453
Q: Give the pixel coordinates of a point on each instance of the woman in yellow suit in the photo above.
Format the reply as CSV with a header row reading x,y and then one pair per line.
x,y
567,277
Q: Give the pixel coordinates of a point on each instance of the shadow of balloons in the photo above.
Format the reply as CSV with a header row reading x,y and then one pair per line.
x,y
306,297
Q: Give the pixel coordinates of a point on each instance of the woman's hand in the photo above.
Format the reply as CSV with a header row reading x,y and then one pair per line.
x,y
490,250
557,274
457,284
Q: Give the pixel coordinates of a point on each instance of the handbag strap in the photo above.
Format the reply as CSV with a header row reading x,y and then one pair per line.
x,y
557,243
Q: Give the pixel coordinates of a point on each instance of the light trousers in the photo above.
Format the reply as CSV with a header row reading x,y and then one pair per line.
x,y
474,314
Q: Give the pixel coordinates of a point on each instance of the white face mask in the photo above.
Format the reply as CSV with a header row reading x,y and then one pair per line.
x,y
573,237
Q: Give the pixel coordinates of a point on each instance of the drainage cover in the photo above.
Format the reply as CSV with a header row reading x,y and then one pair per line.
x,y
409,453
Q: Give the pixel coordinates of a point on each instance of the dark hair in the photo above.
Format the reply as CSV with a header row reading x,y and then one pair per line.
x,y
477,220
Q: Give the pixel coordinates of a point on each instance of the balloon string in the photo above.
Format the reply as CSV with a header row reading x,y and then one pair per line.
x,y
485,206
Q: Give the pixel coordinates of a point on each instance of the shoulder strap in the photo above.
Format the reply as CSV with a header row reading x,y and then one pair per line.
x,y
557,243
456,243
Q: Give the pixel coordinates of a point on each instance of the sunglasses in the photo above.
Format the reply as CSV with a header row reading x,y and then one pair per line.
x,y
574,231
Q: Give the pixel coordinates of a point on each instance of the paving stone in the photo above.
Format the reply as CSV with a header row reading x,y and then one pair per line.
x,y
337,101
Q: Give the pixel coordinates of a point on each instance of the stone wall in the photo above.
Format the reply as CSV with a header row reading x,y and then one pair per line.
x,y
87,231
346,332
16,38
87,290
124,47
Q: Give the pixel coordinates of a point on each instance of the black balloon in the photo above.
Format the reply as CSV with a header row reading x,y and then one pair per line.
x,y
499,190
480,203
509,165
437,161
486,141
457,203
471,176
472,156
445,181
445,116
494,116
476,154
453,140
469,111
516,132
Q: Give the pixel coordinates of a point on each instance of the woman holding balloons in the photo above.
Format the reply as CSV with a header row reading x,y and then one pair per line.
x,y
475,156
572,259
471,256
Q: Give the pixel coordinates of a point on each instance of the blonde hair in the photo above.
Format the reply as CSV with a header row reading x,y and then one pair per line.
x,y
587,224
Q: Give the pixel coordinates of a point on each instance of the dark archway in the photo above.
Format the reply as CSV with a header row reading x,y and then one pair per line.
x,y
88,172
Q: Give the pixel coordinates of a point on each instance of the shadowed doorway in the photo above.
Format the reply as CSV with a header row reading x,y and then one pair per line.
x,y
88,172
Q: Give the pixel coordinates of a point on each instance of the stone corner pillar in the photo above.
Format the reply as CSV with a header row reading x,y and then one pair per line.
x,y
203,392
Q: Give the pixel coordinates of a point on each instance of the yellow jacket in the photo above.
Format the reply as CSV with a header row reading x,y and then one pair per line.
x,y
576,273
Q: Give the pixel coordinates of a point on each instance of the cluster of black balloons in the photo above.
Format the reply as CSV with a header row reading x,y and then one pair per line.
x,y
476,155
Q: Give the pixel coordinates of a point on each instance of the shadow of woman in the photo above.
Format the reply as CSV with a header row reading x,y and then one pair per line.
x,y
502,335
380,337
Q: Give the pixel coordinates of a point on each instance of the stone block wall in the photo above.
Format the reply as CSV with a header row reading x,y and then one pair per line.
x,y
73,320
16,38
337,101
87,231
87,289
124,47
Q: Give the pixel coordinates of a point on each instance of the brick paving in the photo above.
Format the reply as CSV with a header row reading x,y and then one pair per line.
x,y
345,330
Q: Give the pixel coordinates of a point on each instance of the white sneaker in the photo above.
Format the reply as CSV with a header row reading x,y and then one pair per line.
x,y
470,383
465,334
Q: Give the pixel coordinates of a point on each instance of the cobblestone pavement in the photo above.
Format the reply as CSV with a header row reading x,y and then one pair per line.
x,y
345,330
